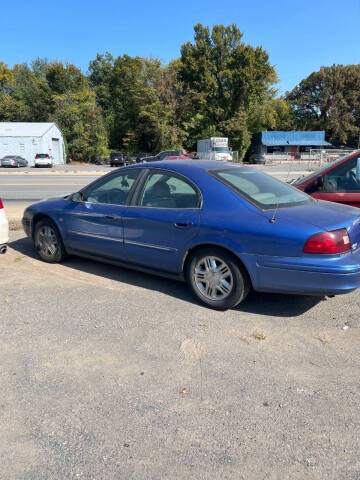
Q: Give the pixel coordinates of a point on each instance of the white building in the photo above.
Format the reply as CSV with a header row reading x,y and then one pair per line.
x,y
28,139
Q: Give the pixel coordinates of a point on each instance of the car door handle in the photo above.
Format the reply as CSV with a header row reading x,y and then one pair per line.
x,y
183,224
112,217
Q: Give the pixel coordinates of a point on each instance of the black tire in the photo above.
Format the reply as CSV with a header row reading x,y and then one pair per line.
x,y
235,278
44,244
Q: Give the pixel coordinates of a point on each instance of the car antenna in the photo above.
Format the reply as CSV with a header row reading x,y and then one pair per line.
x,y
273,218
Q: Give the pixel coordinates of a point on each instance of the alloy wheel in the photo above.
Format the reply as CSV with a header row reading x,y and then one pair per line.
x,y
47,241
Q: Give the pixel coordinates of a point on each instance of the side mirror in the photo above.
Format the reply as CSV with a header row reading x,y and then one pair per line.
x,y
358,169
76,197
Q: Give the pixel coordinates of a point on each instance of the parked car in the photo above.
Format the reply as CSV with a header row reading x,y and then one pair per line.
x,y
117,159
162,156
223,228
4,229
141,156
257,158
101,161
178,157
43,160
14,161
192,156
338,181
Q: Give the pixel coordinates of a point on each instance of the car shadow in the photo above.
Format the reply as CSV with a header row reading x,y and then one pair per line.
x,y
267,304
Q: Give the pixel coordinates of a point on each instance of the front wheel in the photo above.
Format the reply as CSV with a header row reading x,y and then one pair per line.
x,y
48,242
217,279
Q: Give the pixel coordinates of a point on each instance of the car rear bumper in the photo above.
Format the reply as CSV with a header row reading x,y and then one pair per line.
x,y
308,275
4,230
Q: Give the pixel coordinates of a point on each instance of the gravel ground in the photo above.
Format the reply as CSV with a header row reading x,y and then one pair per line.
x,y
112,374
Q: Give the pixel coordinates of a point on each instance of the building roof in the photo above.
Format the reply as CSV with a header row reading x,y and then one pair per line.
x,y
24,129
311,139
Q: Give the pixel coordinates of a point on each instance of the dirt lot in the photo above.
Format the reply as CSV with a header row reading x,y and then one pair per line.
x,y
112,374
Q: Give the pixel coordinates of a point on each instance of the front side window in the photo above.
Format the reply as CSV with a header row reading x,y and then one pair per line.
x,y
343,178
113,190
166,190
264,191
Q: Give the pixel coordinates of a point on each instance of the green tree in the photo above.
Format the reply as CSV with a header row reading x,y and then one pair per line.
x,y
64,78
224,78
5,75
329,99
31,95
270,114
82,124
100,74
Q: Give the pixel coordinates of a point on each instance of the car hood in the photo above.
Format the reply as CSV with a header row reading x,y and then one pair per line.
x,y
324,215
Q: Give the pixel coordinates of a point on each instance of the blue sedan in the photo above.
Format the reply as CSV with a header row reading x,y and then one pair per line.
x,y
223,228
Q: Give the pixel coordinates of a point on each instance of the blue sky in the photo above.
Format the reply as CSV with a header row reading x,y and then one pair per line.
x,y
300,36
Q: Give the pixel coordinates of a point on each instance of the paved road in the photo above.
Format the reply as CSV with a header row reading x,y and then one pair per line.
x,y
109,374
31,185
26,189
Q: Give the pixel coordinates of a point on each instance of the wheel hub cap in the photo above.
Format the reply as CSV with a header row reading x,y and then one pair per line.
x,y
213,278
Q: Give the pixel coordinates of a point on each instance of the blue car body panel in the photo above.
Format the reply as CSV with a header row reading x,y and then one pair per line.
x,y
160,239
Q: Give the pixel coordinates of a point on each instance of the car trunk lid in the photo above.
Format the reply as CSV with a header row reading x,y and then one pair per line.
x,y
329,216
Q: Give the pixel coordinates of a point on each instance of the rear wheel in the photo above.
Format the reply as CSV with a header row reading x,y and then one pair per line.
x,y
48,242
217,279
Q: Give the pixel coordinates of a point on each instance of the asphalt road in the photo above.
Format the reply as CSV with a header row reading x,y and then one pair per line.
x,y
112,374
26,186
27,189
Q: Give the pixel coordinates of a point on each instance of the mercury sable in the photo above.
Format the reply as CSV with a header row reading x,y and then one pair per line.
x,y
223,228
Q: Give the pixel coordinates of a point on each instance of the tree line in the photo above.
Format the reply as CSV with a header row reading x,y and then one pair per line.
x,y
219,86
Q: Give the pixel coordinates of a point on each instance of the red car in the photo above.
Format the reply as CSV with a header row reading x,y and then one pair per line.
x,y
178,157
338,181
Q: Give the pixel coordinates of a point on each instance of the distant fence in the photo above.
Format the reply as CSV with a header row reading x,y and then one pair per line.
x,y
314,155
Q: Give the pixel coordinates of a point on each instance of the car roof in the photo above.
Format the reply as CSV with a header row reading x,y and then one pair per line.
x,y
182,166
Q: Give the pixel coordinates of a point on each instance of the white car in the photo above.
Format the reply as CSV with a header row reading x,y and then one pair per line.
x,y
4,229
43,160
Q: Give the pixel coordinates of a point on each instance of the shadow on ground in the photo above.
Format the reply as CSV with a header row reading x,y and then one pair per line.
x,y
275,305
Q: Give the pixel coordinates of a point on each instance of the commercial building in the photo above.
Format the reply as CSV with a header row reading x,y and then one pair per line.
x,y
291,144
28,139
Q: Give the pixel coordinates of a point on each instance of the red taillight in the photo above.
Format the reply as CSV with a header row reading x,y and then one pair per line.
x,y
337,241
1,204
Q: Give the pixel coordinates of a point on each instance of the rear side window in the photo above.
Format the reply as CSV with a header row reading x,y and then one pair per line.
x,y
264,191
166,190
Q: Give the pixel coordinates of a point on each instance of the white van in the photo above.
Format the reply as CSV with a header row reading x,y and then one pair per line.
x,y
4,229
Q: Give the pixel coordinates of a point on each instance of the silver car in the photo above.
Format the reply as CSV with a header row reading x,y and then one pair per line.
x,y
14,161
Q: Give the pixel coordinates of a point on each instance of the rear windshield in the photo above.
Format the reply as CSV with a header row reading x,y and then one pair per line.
x,y
221,149
260,189
42,155
115,154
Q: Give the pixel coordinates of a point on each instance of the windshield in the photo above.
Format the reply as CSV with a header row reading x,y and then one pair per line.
x,y
264,191
318,172
221,149
41,155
